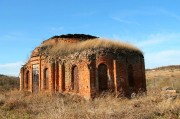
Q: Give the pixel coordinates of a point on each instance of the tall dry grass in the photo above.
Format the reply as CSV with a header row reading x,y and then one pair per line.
x,y
44,106
8,83
24,105
158,79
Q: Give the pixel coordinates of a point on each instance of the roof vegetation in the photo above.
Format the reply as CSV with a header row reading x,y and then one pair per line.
x,y
65,48
79,36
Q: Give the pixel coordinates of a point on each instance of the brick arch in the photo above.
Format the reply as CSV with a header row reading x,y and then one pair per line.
x,y
46,78
103,77
75,78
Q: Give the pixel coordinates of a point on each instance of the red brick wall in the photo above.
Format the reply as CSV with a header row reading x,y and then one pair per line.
x,y
56,76
93,83
107,60
84,82
120,70
84,77
60,40
51,68
61,77
61,71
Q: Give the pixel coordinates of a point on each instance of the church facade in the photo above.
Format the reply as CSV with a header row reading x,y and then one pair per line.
x,y
87,71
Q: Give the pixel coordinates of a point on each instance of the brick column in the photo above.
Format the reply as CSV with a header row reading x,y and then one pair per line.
x,y
115,77
111,76
121,76
21,78
43,81
61,77
92,70
25,80
56,76
51,77
40,79
143,73
30,80
97,79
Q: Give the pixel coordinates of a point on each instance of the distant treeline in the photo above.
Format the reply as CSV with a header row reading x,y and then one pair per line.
x,y
165,67
8,83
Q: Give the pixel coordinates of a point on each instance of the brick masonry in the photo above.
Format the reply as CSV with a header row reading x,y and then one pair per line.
x,y
79,73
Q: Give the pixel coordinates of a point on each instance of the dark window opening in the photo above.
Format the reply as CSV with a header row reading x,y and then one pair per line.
x,y
130,76
27,80
63,78
75,79
102,77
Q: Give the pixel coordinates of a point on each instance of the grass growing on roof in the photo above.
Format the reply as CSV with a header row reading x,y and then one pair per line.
x,y
68,48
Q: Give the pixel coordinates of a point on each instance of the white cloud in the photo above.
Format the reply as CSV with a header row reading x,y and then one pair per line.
x,y
159,49
124,21
151,40
162,58
12,69
155,55
158,39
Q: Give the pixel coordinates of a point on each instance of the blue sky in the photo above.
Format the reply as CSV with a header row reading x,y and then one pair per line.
x,y
151,25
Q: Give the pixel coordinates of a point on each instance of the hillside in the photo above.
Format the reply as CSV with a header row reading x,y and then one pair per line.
x,y
170,67
15,104
166,76
8,83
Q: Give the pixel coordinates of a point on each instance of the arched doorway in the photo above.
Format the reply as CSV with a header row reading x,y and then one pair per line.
x,y
102,77
75,79
46,79
35,78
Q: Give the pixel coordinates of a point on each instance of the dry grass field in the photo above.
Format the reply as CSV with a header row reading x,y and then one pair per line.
x,y
163,77
155,105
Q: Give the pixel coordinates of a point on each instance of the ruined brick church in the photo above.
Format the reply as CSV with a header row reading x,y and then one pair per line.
x,y
84,65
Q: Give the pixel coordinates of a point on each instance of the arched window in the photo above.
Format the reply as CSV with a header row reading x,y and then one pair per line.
x,y
130,76
46,77
63,78
27,80
102,77
75,79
